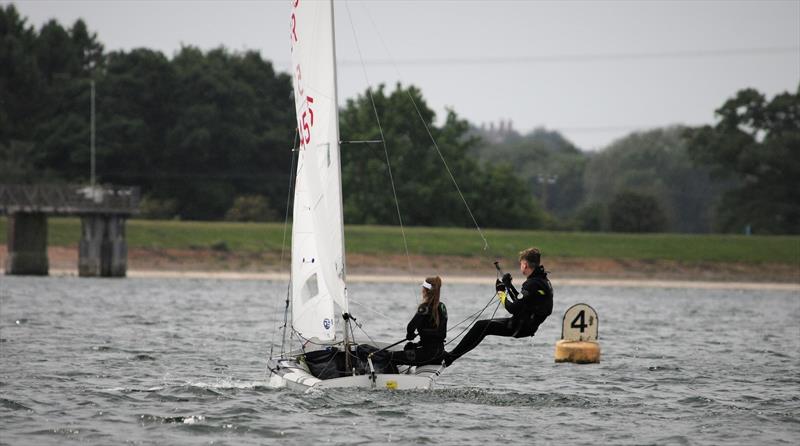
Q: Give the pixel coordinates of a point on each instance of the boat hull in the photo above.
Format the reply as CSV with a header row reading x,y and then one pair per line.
x,y
294,375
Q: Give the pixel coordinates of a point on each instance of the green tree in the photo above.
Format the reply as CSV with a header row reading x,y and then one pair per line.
x,y
503,201
635,212
232,124
135,110
20,79
756,143
426,194
655,163
14,162
550,166
55,54
251,208
88,49
591,217
156,209
67,60
194,131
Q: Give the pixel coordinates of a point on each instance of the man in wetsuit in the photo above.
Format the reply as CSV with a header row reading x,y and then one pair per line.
x,y
529,307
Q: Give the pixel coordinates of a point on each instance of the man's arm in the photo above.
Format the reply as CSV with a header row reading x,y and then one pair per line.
x,y
515,304
510,290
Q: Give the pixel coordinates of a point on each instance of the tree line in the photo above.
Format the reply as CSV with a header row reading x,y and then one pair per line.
x,y
738,175
194,132
209,135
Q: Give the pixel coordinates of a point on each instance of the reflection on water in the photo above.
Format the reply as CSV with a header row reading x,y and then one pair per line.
x,y
172,361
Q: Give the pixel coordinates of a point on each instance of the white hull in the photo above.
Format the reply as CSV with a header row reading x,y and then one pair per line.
x,y
295,375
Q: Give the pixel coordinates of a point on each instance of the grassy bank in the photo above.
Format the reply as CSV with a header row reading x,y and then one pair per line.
x,y
375,240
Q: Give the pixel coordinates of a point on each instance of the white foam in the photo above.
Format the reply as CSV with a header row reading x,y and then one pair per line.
x,y
193,419
276,382
226,383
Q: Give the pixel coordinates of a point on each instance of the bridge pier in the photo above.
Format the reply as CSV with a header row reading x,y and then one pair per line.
x,y
27,244
102,250
104,210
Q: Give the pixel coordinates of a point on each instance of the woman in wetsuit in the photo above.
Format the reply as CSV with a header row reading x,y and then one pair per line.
x,y
430,322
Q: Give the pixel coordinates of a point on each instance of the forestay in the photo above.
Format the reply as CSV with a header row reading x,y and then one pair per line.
x,y
318,264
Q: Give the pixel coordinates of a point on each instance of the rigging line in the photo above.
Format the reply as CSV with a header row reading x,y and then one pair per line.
x,y
582,57
283,250
427,129
307,341
452,178
350,300
473,314
347,352
291,338
369,141
474,320
377,156
289,195
576,58
484,328
383,139
303,340
358,324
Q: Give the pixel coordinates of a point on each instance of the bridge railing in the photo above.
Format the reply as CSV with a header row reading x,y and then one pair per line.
x,y
68,199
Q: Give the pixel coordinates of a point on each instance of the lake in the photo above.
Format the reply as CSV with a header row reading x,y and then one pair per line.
x,y
182,361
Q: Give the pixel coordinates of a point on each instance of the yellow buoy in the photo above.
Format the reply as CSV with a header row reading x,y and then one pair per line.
x,y
578,342
579,352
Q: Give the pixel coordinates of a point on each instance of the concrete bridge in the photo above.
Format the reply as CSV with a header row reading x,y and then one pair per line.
x,y
104,210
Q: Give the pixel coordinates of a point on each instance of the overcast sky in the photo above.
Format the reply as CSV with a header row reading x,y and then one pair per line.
x,y
594,71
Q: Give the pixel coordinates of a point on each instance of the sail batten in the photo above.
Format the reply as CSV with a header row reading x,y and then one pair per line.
x,y
318,281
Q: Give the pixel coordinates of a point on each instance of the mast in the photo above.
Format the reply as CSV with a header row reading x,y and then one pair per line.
x,y
337,139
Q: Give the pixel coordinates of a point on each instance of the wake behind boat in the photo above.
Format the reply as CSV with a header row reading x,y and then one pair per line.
x,y
328,355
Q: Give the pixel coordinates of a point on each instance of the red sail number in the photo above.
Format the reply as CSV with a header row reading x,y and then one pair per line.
x,y
306,112
307,120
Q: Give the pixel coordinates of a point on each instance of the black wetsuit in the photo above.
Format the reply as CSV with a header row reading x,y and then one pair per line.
x,y
430,349
528,307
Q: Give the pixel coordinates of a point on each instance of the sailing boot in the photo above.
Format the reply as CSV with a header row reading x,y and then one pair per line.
x,y
448,359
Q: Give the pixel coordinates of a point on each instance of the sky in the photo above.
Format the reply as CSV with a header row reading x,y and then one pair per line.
x,y
593,70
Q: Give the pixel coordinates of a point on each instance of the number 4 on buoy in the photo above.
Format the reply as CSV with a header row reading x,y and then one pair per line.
x,y
578,342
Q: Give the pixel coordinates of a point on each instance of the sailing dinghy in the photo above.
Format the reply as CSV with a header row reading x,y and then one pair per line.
x,y
328,356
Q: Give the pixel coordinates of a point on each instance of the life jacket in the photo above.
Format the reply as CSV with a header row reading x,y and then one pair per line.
x,y
537,303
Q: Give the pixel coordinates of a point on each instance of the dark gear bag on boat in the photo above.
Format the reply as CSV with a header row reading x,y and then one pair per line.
x,y
380,360
326,364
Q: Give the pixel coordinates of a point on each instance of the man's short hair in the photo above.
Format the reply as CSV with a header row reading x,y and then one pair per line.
x,y
532,256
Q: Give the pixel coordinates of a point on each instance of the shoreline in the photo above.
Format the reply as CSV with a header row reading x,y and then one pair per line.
x,y
371,268
458,279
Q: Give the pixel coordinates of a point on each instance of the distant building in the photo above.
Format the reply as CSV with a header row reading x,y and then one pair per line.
x,y
499,133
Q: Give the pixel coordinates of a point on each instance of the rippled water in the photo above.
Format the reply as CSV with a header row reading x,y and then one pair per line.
x,y
155,361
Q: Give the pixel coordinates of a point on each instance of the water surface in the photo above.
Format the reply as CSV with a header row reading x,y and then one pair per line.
x,y
181,361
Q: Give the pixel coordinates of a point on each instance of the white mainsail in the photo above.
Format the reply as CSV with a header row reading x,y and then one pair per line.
x,y
318,265
318,292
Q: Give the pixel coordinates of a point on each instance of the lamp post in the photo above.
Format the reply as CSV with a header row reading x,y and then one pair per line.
x,y
91,147
544,180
